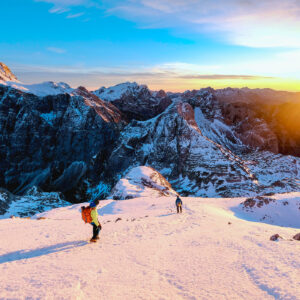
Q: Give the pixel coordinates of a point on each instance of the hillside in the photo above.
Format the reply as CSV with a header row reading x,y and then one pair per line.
x,y
146,251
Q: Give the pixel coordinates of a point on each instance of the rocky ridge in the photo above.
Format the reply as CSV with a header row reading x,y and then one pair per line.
x,y
6,74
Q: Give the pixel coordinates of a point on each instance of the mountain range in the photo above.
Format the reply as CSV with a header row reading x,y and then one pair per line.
x,y
206,143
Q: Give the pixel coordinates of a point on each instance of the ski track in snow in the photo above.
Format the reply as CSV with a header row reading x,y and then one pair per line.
x,y
151,253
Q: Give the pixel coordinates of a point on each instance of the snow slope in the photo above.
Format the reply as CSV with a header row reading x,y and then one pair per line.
x,y
41,89
151,253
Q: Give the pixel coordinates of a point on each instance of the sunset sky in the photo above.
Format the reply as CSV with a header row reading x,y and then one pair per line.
x,y
170,44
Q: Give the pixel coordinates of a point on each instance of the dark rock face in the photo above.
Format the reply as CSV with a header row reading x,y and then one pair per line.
x,y
6,198
52,141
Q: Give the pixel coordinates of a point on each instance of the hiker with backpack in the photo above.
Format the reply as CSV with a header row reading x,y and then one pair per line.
x,y
178,204
90,215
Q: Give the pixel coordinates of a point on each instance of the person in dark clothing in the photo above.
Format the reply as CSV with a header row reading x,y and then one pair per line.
x,y
178,203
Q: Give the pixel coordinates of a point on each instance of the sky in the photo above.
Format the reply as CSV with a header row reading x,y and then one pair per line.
x,y
173,45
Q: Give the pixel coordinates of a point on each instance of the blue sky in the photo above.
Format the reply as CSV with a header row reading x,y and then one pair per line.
x,y
174,45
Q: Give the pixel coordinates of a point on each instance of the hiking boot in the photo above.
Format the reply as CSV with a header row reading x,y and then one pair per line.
x,y
93,240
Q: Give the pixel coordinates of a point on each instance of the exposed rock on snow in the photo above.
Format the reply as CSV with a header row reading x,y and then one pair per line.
x,y
142,182
297,237
257,201
275,237
282,210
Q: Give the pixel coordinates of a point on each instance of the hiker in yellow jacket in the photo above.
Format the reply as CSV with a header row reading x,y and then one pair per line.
x,y
95,222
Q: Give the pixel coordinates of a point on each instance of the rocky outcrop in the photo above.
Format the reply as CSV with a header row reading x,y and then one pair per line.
x,y
297,237
275,237
281,210
142,182
6,74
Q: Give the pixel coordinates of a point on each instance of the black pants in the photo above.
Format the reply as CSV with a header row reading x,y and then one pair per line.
x,y
179,208
96,230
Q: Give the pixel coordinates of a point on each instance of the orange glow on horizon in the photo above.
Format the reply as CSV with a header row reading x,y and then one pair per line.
x,y
181,85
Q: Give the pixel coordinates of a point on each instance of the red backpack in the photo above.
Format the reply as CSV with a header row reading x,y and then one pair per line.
x,y
86,214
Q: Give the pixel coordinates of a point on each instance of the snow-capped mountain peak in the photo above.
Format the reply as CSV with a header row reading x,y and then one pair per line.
x,y
47,88
6,74
39,89
119,90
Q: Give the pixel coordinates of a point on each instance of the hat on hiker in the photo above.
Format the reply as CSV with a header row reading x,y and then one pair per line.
x,y
94,203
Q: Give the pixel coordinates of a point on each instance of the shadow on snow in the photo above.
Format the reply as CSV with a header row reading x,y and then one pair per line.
x,y
23,254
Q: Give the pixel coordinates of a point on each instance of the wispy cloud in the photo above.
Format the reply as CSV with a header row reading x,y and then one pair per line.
x,y
168,70
157,77
265,23
58,10
73,16
56,50
225,77
65,3
252,23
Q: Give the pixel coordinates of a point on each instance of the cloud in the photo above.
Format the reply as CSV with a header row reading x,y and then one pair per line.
x,y
58,10
65,3
175,70
225,77
73,16
157,77
252,23
56,50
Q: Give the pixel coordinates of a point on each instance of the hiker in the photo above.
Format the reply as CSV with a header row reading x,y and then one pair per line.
x,y
95,222
90,215
178,203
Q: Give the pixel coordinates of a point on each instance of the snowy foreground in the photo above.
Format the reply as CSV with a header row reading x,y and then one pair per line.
x,y
151,253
